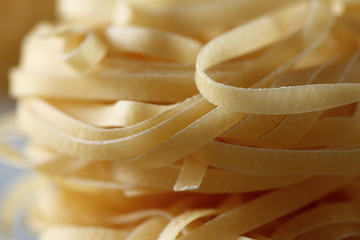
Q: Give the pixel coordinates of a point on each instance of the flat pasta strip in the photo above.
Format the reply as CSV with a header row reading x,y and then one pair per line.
x,y
87,54
152,42
83,232
335,132
279,161
214,180
191,175
234,222
338,231
119,114
325,215
175,226
148,230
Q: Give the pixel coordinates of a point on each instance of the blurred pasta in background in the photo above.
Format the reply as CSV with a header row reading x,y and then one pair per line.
x,y
17,17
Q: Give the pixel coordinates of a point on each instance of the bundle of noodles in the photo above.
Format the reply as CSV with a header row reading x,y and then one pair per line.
x,y
170,119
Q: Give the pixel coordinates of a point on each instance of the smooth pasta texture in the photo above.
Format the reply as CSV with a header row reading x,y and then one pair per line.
x,y
167,119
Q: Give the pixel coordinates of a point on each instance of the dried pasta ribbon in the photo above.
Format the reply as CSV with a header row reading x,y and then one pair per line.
x,y
126,86
149,229
119,114
336,231
280,136
214,180
177,224
279,161
277,100
234,222
87,54
83,9
153,42
191,175
235,218
330,133
264,128
67,232
325,215
214,14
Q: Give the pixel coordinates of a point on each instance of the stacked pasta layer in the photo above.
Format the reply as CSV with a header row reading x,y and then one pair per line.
x,y
170,119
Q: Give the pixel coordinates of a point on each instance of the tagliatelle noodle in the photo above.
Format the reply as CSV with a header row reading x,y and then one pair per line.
x,y
279,161
81,9
331,132
281,134
177,224
149,229
183,19
338,231
128,149
326,215
161,44
119,114
87,55
272,121
233,220
247,100
255,125
32,84
85,233
191,175
214,180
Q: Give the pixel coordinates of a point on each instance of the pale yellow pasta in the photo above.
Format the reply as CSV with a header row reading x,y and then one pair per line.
x,y
207,119
325,215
